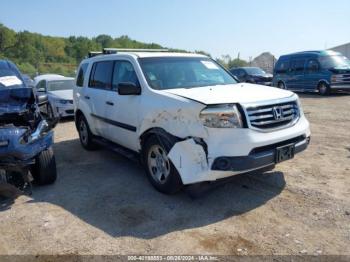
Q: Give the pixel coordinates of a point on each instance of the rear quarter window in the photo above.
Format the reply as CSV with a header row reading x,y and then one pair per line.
x,y
81,74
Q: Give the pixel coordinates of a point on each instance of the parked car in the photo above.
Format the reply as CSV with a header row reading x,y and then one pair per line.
x,y
25,135
185,116
59,90
254,75
320,71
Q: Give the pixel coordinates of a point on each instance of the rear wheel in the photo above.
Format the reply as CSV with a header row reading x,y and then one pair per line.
x,y
324,89
160,171
85,134
44,170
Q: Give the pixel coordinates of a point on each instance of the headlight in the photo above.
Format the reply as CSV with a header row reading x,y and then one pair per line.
x,y
221,116
300,108
62,101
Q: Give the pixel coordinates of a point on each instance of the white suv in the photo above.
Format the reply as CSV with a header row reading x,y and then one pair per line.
x,y
185,115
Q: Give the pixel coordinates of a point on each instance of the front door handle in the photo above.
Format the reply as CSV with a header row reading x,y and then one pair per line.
x,y
86,97
109,103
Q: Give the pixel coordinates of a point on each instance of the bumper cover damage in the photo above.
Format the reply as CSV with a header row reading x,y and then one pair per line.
x,y
15,152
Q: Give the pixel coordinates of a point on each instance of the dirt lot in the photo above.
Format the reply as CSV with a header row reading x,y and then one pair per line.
x,y
102,203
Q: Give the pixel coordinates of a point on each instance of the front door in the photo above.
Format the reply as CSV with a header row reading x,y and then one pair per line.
x,y
312,74
296,74
123,109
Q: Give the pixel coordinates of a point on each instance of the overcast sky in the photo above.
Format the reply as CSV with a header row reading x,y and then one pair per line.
x,y
218,27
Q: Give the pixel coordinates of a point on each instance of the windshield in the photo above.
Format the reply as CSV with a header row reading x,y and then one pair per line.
x,y
60,85
335,61
183,72
254,71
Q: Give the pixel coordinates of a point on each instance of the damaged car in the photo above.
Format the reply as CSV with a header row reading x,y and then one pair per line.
x,y
185,115
26,136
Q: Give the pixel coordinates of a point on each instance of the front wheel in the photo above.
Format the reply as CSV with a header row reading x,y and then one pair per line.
x,y
281,85
44,171
324,89
160,171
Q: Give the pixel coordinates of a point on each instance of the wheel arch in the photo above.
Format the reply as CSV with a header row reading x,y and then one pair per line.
x,y
322,81
157,131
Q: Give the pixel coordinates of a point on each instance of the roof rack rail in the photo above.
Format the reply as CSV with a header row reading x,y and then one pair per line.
x,y
94,53
116,50
109,51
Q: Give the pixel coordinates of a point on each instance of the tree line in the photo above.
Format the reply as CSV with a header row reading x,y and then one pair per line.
x,y
35,53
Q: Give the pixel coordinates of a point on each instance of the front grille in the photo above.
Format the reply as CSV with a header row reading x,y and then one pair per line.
x,y
341,79
272,116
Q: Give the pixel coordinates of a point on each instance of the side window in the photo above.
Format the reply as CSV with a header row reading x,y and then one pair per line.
x,y
282,67
81,74
41,86
101,75
298,65
123,73
241,73
312,65
234,72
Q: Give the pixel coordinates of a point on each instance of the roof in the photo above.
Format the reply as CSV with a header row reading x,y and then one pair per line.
x,y
314,52
51,77
144,55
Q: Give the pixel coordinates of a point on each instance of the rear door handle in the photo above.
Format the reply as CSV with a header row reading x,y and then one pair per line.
x,y
86,97
109,103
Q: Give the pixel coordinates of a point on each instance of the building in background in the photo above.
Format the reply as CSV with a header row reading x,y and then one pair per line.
x,y
344,49
265,61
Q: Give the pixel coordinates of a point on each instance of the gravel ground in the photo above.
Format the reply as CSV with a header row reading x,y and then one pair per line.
x,y
102,203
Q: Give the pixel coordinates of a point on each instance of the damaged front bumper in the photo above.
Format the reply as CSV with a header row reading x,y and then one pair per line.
x,y
230,152
14,152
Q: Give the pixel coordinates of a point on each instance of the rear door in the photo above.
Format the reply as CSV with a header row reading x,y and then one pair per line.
x,y
123,109
99,87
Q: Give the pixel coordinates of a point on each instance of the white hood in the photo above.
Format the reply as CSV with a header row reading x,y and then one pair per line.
x,y
62,94
236,93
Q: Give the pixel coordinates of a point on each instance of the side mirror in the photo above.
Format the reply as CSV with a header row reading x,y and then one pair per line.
x,y
42,99
128,88
41,90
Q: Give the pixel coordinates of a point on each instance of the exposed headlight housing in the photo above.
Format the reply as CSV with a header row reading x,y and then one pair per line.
x,y
221,116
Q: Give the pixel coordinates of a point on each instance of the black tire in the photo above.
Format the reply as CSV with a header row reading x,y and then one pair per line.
x,y
324,89
85,135
44,171
50,112
172,182
281,85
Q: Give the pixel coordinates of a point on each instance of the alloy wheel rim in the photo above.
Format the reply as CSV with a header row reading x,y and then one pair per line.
x,y
83,132
323,88
158,164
